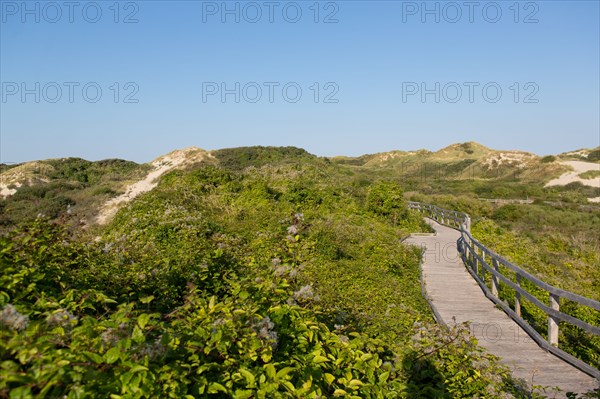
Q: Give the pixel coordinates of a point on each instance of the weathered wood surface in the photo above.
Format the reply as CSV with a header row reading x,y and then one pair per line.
x,y
458,298
481,261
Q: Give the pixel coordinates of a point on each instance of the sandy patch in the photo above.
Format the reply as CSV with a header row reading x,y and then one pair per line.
x,y
5,191
509,158
386,157
573,176
28,173
175,160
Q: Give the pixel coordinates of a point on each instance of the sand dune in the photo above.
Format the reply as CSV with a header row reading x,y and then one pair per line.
x,y
161,165
571,177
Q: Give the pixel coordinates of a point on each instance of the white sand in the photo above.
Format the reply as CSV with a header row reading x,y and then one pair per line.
x,y
511,158
5,191
28,173
578,167
174,160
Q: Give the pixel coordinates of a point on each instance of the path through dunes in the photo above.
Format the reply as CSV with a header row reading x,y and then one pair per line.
x,y
456,297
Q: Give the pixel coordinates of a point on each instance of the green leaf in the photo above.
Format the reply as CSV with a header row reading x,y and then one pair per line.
x,y
307,384
21,393
4,298
384,376
284,372
125,378
94,357
242,394
142,321
215,387
147,299
248,376
320,359
244,295
270,370
355,384
138,367
266,357
138,335
329,378
112,355
289,386
366,357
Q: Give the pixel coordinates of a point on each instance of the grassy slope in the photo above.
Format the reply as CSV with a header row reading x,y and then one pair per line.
x,y
71,189
273,278
234,219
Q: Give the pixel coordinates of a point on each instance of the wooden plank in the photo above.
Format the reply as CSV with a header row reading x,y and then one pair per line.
x,y
456,296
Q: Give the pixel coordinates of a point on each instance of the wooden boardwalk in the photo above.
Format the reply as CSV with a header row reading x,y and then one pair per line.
x,y
456,297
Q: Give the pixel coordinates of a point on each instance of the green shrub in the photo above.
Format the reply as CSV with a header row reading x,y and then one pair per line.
x,y
259,338
387,199
548,159
590,174
594,156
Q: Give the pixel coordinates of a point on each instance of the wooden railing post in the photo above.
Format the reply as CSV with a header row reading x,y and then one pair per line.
x,y
472,253
483,266
552,321
518,297
495,287
476,260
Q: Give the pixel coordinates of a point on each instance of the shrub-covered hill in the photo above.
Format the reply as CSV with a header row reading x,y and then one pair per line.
x,y
275,280
71,189
82,193
472,162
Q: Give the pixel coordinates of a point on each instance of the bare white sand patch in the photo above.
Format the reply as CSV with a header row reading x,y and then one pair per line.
x,y
28,173
512,158
5,191
595,199
388,155
578,167
174,160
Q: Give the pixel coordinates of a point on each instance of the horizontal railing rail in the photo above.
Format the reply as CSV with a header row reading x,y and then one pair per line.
x,y
481,261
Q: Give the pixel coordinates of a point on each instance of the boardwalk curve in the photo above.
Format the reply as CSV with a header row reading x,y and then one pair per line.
x,y
456,297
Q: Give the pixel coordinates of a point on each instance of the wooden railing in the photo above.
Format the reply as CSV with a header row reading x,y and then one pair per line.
x,y
490,270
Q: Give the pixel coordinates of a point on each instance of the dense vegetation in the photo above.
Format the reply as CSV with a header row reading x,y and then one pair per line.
x,y
70,189
271,274
590,174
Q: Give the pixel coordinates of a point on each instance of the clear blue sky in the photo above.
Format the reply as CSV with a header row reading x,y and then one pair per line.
x,y
370,62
